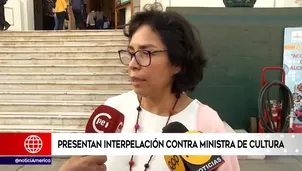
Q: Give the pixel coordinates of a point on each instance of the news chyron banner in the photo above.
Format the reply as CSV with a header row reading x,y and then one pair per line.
x,y
176,144
25,148
37,148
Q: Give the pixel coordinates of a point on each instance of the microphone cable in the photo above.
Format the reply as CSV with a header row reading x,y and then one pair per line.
x,y
265,111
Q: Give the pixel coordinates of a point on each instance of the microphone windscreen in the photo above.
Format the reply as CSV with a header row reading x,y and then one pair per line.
x,y
175,127
105,119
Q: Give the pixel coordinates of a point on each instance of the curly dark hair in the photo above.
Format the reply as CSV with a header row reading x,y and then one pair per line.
x,y
181,39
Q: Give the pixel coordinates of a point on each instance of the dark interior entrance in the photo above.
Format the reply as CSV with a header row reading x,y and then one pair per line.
x,y
107,6
43,18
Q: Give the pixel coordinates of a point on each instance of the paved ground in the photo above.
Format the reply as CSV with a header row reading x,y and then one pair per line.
x,y
269,164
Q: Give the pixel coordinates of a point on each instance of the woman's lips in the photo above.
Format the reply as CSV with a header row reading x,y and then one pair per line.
x,y
136,80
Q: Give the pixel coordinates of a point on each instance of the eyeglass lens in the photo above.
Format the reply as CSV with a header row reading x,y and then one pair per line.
x,y
142,57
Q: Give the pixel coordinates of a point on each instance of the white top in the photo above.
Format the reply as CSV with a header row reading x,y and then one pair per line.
x,y
127,103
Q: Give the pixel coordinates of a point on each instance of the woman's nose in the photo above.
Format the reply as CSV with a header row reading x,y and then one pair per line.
x,y
133,64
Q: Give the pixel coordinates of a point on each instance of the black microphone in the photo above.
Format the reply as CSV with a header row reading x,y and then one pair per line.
x,y
175,127
186,162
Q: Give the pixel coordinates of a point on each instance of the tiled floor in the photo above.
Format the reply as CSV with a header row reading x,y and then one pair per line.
x,y
288,163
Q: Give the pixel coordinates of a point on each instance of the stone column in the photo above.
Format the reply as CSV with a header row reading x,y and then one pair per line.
x,y
136,6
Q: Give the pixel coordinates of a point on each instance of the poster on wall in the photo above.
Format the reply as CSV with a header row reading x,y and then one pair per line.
x,y
292,65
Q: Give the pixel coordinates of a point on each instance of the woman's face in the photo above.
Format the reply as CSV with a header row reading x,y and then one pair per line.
x,y
157,77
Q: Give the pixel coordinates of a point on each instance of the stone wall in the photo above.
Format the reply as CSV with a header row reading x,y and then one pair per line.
x,y
239,43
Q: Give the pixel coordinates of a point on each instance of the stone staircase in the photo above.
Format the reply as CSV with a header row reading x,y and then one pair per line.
x,y
52,81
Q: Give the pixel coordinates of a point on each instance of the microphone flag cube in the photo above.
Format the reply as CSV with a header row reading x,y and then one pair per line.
x,y
194,162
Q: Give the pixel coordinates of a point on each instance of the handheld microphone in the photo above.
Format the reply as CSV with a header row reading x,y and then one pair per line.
x,y
186,162
105,119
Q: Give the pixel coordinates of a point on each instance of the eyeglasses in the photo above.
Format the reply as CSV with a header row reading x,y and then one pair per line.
x,y
142,57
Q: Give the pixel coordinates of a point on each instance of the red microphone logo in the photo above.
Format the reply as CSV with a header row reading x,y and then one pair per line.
x,y
105,119
101,121
119,128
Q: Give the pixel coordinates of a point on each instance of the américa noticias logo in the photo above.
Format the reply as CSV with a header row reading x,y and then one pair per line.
x,y
33,144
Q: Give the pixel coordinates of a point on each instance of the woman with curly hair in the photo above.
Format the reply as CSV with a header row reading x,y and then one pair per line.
x,y
165,61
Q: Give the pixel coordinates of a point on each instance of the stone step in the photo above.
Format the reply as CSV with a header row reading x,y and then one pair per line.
x,y
47,118
68,61
62,38
64,68
64,85
70,49
82,43
50,33
40,128
59,55
48,106
52,95
65,76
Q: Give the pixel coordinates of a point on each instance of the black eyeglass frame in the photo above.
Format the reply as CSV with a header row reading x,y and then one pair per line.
x,y
133,54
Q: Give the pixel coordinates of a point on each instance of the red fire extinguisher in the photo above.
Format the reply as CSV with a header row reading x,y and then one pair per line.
x,y
271,109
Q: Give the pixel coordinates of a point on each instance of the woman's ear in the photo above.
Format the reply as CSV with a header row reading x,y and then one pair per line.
x,y
177,69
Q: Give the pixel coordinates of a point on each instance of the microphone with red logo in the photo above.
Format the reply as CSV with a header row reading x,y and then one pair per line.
x,y
105,119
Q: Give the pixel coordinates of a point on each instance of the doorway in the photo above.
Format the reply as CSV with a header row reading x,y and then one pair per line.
x,y
43,16
38,14
105,6
44,20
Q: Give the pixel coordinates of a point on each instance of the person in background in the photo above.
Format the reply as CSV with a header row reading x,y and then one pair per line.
x,y
84,14
55,16
165,62
4,25
99,23
60,10
56,22
91,18
77,7
106,24
48,14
